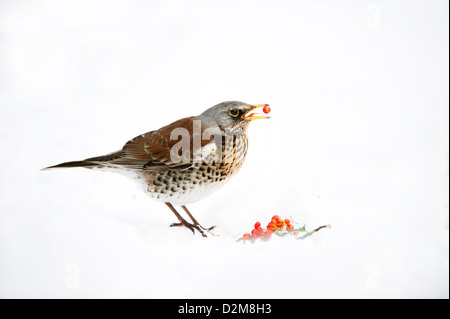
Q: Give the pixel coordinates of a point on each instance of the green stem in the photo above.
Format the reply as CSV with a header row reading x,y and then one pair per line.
x,y
314,231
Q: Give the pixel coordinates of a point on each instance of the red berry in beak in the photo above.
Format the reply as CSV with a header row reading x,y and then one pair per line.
x,y
266,109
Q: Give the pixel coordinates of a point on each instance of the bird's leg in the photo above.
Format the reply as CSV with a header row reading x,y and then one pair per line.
x,y
196,223
184,223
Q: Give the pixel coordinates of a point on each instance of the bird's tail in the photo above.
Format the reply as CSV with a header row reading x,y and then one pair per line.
x,y
85,164
92,162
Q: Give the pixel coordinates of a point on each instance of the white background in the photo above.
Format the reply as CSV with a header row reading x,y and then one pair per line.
x,y
358,140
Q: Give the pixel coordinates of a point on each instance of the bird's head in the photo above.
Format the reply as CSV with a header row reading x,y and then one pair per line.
x,y
233,115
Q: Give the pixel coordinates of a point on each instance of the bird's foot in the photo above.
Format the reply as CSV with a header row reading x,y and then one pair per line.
x,y
193,227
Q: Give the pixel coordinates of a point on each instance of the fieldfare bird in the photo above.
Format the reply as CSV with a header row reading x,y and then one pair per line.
x,y
186,160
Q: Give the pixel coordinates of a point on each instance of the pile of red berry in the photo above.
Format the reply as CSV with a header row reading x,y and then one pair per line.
x,y
279,227
276,226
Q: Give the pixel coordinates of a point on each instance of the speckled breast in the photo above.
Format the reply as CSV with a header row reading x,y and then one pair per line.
x,y
210,169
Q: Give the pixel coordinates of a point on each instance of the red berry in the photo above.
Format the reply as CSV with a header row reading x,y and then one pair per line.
x,y
246,236
268,233
266,109
289,227
287,221
276,217
258,231
257,224
255,233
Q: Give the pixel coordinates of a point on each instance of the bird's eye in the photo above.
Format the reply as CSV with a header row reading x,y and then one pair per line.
x,y
234,112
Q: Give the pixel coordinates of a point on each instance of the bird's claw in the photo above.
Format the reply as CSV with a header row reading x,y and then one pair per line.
x,y
193,227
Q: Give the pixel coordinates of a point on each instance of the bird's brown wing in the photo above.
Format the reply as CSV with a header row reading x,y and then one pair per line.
x,y
155,150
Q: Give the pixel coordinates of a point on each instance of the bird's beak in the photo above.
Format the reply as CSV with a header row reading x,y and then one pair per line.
x,y
250,115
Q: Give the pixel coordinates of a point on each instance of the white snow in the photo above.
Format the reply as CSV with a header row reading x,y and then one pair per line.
x,y
358,139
